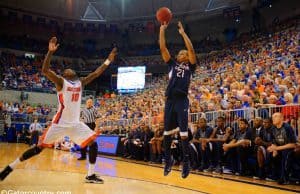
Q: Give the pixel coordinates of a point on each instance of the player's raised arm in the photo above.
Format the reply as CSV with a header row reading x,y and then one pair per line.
x,y
188,44
86,80
51,75
162,43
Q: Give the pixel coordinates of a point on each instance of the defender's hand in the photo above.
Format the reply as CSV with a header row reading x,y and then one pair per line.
x,y
53,45
112,54
180,28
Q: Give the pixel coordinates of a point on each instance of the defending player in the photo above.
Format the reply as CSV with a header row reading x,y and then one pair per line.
x,y
66,121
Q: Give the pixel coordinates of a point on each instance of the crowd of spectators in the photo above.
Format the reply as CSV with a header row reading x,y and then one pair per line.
x,y
22,73
25,113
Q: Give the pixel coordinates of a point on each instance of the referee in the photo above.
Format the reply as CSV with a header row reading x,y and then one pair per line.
x,y
88,114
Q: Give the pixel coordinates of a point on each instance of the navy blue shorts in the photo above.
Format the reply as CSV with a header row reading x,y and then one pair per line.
x,y
176,115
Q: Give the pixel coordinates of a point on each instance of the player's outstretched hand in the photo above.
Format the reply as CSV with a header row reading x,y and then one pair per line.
x,y
180,28
112,54
53,45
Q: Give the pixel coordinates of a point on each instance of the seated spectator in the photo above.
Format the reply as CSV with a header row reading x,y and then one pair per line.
x,y
202,155
282,145
132,142
23,136
147,135
263,141
239,149
221,134
156,144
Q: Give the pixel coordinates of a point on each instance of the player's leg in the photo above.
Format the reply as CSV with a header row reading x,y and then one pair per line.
x,y
181,108
33,151
153,151
48,135
93,152
83,152
217,153
82,135
146,152
261,156
284,168
233,160
169,125
159,151
194,154
243,154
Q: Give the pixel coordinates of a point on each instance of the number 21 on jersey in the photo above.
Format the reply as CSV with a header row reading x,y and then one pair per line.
x,y
180,72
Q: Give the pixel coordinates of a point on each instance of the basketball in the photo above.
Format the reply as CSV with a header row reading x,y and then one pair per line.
x,y
164,14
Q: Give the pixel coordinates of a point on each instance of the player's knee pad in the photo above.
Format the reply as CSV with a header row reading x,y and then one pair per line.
x,y
93,151
31,152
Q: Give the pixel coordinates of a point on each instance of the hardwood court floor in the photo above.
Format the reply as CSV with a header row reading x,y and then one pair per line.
x,y
60,172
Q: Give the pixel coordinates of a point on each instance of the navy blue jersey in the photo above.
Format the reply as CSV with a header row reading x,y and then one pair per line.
x,y
179,78
283,135
247,134
206,133
266,134
220,133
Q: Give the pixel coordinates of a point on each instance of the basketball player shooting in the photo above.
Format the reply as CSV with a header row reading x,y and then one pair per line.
x,y
177,103
66,121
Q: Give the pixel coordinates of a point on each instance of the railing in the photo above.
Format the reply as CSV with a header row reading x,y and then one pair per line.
x,y
33,89
125,122
291,114
28,118
231,116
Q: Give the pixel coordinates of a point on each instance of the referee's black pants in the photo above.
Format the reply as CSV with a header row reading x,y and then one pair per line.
x,y
84,150
34,138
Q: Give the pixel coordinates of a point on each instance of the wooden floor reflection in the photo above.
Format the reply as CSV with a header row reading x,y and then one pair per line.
x,y
60,172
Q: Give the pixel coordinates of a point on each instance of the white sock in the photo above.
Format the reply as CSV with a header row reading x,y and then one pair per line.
x,y
91,170
15,163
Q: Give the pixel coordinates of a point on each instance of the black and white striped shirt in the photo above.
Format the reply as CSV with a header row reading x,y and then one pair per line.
x,y
89,115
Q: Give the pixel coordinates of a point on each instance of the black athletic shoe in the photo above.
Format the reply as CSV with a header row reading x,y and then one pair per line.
x,y
283,181
185,169
93,179
201,168
168,166
5,172
218,170
82,158
209,169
